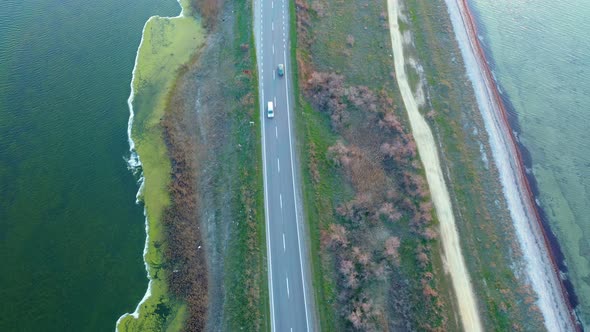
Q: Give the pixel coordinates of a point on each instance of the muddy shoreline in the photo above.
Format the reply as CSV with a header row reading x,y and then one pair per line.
x,y
527,163
524,161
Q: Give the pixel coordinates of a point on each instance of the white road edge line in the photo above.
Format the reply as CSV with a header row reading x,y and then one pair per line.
x,y
294,193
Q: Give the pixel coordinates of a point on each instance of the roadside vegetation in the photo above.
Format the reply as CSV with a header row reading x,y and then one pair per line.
x,y
371,220
486,231
196,132
230,173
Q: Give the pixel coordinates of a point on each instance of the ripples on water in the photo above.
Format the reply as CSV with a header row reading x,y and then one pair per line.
x,y
71,236
541,55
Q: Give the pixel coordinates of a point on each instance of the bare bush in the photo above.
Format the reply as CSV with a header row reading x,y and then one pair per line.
x,y
415,184
363,98
319,8
390,212
337,236
391,248
348,271
430,234
398,151
391,122
325,91
422,259
350,40
361,257
363,314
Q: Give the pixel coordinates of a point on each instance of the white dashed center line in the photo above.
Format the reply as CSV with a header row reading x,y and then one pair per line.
x,y
284,247
287,287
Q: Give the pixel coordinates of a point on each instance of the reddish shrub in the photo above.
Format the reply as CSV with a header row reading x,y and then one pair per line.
x,y
361,257
423,259
391,248
391,122
325,91
390,212
430,234
337,236
428,291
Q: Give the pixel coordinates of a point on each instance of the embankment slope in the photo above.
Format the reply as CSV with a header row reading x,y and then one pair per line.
x,y
468,308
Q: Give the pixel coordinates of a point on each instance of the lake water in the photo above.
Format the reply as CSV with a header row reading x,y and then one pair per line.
x,y
71,235
540,51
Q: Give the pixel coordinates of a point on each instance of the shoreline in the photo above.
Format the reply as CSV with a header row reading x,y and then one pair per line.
x,y
134,164
525,206
527,166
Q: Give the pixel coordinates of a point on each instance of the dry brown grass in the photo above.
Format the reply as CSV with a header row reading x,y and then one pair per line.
x,y
188,279
208,9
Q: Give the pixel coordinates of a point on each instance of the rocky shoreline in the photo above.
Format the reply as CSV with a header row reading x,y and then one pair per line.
x,y
562,307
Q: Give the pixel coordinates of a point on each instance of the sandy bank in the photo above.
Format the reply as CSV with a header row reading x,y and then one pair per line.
x,y
540,268
454,261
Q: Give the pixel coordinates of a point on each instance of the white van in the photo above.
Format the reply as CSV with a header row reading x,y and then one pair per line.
x,y
270,110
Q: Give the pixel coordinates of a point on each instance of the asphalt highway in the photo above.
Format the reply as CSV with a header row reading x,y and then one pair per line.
x,y
288,270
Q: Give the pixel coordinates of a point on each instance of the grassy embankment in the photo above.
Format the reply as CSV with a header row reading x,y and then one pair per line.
x,y
168,43
247,306
487,235
370,219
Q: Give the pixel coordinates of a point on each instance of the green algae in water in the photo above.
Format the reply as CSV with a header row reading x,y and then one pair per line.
x,y
167,44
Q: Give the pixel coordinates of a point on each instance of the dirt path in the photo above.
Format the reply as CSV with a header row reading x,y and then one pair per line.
x,y
453,259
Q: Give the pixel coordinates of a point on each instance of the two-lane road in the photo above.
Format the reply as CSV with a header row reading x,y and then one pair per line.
x,y
288,272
